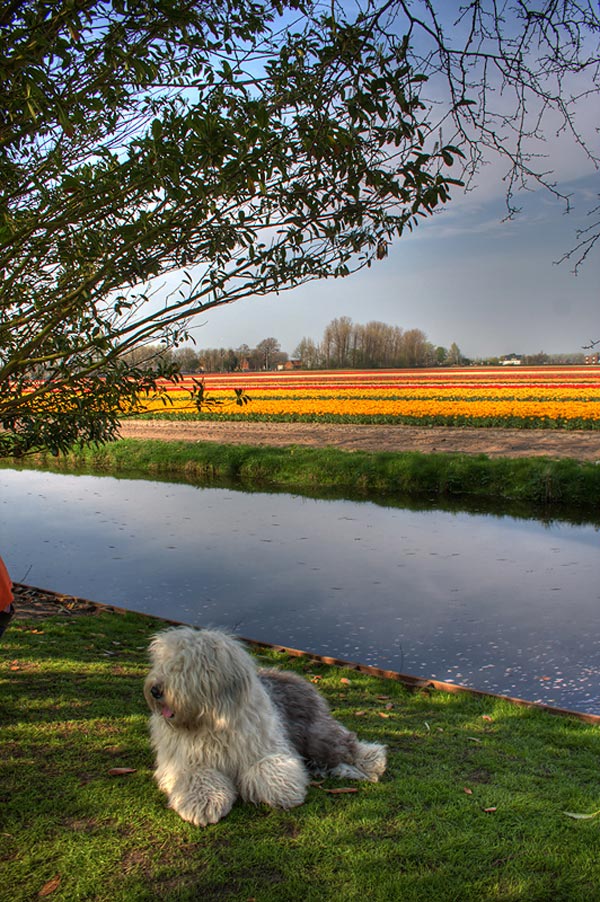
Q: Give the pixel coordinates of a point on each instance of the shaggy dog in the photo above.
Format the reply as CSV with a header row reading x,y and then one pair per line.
x,y
222,729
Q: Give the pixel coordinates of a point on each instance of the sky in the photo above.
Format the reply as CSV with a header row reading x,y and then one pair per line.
x,y
465,275
462,276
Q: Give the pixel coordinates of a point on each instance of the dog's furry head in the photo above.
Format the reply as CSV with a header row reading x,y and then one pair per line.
x,y
197,676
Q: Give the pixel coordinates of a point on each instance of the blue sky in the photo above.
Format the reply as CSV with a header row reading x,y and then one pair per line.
x,y
464,275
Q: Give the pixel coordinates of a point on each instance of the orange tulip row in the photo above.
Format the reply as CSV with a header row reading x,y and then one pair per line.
x,y
397,397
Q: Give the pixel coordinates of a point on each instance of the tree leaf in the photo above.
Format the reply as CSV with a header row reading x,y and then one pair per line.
x,y
121,771
343,790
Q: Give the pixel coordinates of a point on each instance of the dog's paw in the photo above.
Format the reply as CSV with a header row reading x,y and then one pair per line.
x,y
345,771
203,812
205,799
279,781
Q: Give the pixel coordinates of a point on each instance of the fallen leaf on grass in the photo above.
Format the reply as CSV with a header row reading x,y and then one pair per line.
x,y
318,784
581,817
473,739
487,717
384,714
468,791
121,771
382,697
359,713
338,792
316,678
50,887
345,681
491,810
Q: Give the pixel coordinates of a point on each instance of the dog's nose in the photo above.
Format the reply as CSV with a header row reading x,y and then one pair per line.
x,y
156,692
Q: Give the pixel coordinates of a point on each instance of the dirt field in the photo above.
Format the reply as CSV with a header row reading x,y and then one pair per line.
x,y
580,445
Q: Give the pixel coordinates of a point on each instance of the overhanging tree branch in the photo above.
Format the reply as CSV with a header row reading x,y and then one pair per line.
x,y
254,146
515,74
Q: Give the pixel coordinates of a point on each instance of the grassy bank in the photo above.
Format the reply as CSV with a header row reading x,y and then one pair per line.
x,y
529,480
471,808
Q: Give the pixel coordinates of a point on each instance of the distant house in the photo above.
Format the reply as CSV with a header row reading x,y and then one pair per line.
x,y
511,360
592,359
289,365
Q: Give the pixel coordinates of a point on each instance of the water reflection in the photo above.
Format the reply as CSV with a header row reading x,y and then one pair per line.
x,y
498,603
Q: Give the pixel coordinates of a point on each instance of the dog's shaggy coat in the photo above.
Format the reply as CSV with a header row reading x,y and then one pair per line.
x,y
221,729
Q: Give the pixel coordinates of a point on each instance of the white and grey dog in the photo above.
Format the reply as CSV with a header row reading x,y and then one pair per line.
x,y
222,729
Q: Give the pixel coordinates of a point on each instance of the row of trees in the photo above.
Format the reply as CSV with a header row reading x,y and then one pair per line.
x,y
344,345
267,355
349,345
538,359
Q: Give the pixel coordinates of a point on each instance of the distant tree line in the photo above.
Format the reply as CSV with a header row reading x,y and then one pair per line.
x,y
538,359
267,355
374,345
344,345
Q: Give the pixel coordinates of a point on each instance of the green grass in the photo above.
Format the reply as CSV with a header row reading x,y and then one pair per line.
x,y
538,481
72,709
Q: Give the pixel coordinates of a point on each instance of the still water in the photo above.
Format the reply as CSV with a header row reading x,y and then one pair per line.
x,y
501,604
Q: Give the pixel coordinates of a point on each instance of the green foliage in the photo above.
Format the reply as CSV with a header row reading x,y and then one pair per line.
x,y
471,806
209,404
246,147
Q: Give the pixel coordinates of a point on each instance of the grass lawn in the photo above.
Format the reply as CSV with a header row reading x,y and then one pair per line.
x,y
471,808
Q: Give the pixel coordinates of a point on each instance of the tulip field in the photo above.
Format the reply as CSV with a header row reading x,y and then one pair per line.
x,y
530,397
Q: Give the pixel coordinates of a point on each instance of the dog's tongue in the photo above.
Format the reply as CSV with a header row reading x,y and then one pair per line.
x,y
166,712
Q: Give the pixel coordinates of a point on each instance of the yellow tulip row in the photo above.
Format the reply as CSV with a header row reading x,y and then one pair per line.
x,y
500,403
450,392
